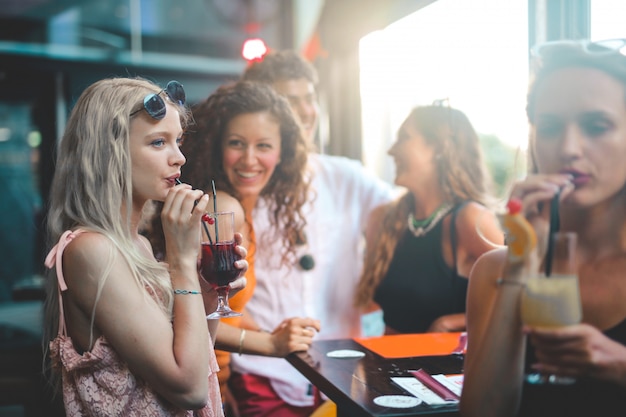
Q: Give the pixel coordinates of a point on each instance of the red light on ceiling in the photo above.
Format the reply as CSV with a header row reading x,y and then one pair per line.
x,y
253,49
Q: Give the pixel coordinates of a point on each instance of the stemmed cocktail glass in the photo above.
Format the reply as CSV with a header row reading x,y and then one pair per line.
x,y
217,264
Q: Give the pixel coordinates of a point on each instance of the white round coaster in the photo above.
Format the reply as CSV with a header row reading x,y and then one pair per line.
x,y
345,353
397,401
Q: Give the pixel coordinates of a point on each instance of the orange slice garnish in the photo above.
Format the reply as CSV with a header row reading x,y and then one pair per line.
x,y
520,235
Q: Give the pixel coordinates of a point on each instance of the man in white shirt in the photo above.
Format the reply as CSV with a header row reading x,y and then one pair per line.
x,y
322,283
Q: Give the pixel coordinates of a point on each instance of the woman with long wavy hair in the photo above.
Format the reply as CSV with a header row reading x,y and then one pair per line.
x,y
576,108
127,334
247,142
421,247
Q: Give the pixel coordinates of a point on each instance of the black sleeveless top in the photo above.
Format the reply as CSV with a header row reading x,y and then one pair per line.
x,y
419,286
586,397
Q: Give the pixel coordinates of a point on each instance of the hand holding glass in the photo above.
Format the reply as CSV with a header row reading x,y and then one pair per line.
x,y
554,301
217,264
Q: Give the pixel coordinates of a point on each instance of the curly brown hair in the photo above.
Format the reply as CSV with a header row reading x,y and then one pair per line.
x,y
462,176
287,189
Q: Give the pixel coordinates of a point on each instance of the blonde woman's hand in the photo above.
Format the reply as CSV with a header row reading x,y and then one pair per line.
x,y
181,219
294,335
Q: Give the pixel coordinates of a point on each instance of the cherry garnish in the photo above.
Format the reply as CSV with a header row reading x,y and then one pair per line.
x,y
514,205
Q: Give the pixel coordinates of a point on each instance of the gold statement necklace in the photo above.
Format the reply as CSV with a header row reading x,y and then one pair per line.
x,y
420,228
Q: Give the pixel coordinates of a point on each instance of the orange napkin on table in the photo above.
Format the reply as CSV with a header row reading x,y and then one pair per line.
x,y
419,344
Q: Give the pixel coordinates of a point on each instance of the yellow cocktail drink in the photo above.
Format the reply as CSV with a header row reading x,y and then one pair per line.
x,y
552,301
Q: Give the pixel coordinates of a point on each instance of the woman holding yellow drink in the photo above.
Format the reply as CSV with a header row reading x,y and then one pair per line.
x,y
577,112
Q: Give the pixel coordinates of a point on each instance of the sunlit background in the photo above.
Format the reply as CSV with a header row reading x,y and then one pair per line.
x,y
473,52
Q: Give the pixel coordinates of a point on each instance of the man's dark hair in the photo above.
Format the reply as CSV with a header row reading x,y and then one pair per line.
x,y
279,66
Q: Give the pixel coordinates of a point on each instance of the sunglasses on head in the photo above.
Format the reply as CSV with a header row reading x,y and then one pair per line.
x,y
442,102
445,103
154,105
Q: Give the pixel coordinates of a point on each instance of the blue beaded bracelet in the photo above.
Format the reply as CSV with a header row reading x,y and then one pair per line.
x,y
184,292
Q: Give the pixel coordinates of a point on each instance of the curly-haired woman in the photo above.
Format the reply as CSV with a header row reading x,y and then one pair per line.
x,y
247,140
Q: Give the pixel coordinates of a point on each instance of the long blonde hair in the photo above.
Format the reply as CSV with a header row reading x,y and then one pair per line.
x,y
92,187
462,177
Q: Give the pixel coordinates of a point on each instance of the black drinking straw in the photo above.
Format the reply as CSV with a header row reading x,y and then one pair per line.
x,y
217,233
206,229
554,227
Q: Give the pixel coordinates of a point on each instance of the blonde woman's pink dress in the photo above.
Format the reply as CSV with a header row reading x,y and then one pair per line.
x,y
98,383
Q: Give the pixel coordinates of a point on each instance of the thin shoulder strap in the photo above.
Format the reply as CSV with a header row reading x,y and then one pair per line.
x,y
55,259
453,234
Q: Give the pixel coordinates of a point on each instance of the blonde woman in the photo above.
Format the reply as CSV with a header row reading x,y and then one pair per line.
x,y
127,334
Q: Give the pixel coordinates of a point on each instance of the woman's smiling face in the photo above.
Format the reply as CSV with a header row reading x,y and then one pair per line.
x,y
252,147
414,158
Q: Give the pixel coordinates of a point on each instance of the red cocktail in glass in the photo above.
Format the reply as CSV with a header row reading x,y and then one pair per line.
x,y
217,264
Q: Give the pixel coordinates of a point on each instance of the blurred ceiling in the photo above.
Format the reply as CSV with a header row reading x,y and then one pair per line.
x,y
211,24
190,38
210,28
214,29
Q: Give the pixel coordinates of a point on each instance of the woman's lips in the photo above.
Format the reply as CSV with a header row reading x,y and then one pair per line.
x,y
580,180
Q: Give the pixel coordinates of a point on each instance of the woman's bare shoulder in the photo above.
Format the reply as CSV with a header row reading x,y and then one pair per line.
x,y
226,202
478,228
86,246
472,212
87,257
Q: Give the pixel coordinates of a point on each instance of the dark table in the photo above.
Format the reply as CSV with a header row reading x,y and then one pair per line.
x,y
353,383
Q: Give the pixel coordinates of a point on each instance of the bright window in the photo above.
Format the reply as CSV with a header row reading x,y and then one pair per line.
x,y
608,19
473,52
